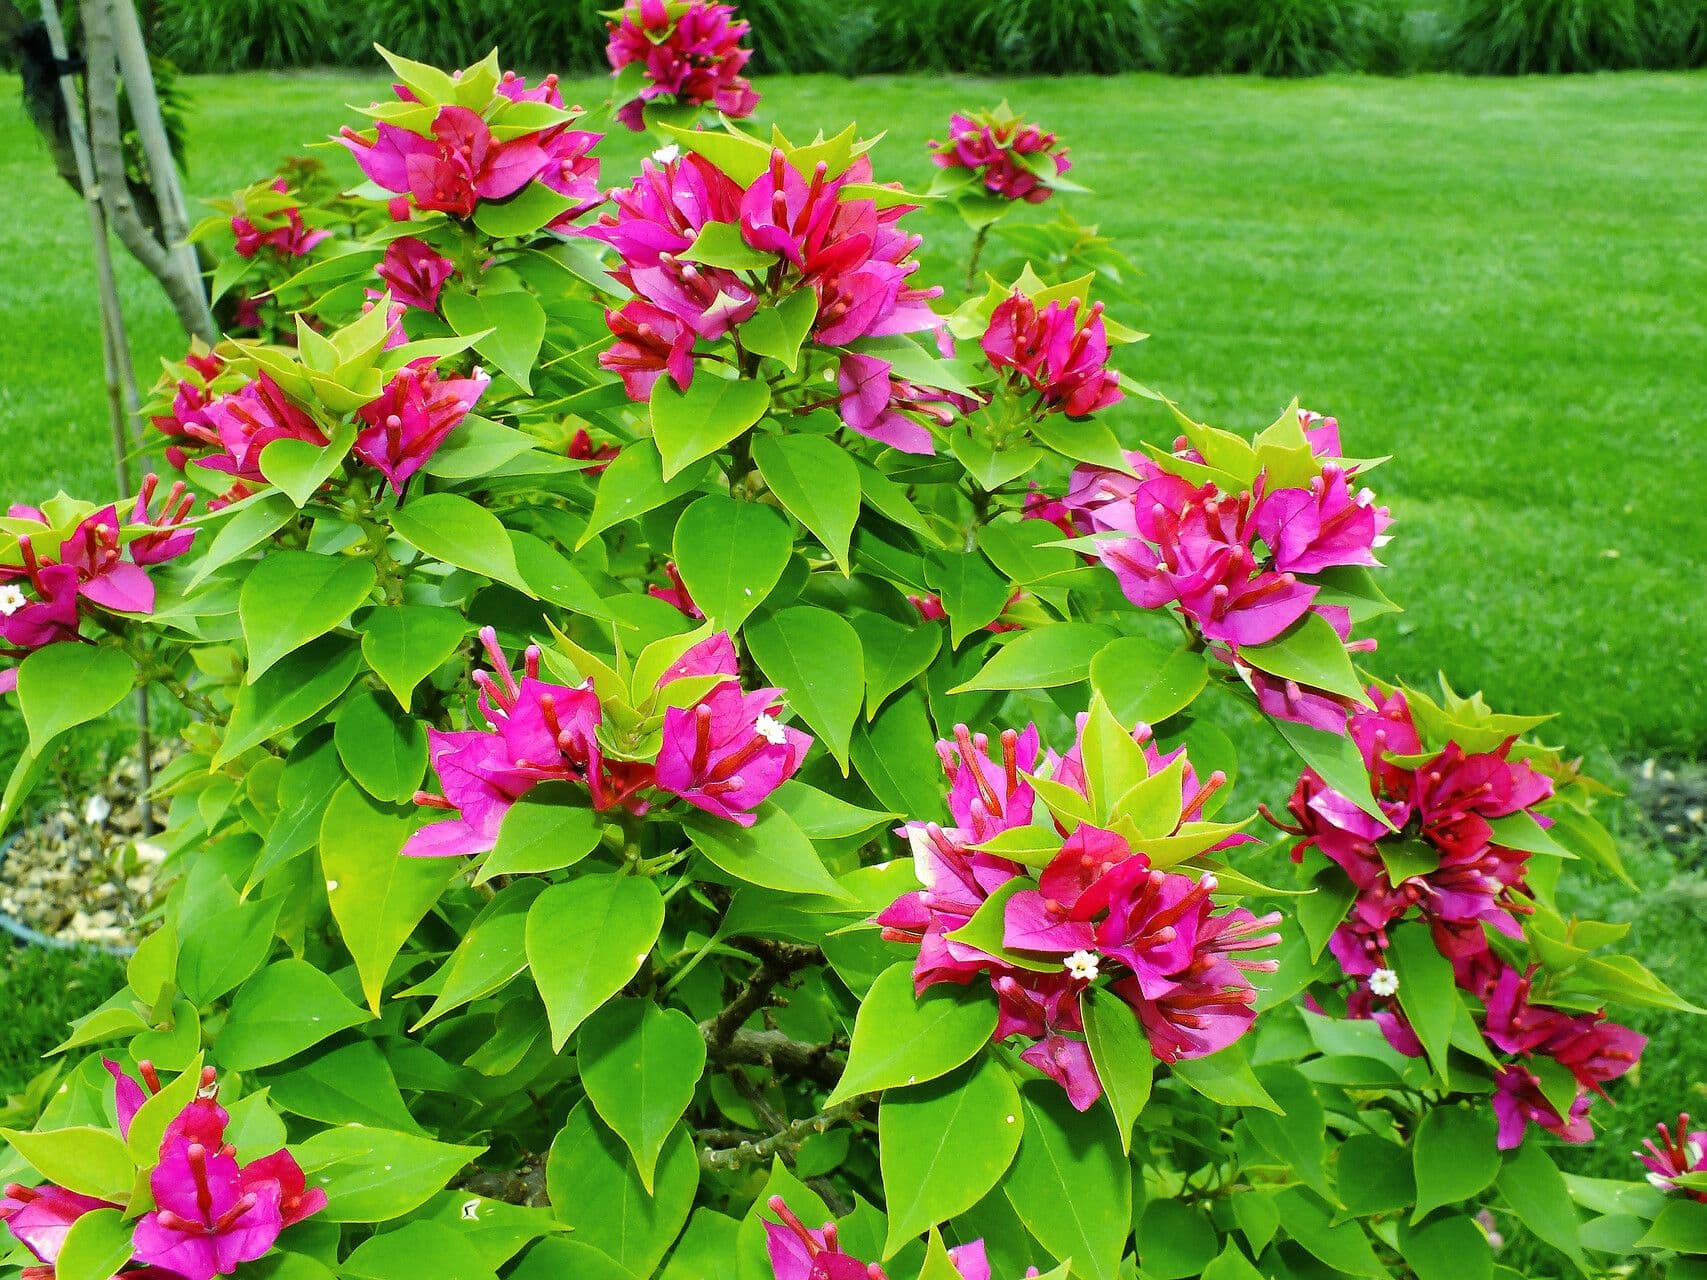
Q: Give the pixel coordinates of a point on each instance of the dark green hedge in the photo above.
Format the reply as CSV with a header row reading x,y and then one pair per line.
x,y
1003,37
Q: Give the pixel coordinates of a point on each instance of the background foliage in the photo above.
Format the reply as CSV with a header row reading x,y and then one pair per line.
x,y
997,37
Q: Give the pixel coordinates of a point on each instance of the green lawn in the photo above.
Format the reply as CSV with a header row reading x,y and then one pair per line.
x,y
1498,282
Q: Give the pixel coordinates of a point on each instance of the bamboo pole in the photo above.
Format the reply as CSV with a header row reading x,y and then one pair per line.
x,y
138,76
183,286
123,398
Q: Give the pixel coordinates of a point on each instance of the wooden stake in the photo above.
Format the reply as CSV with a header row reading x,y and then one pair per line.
x,y
123,398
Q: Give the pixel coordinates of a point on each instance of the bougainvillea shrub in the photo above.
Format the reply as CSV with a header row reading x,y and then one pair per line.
x,y
708,755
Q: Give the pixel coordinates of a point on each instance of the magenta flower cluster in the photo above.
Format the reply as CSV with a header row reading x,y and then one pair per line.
x,y
1010,156
102,563
284,233
723,754
1679,1153
1058,353
689,54
461,161
1098,911
210,1213
227,431
822,236
1241,567
1445,804
799,1253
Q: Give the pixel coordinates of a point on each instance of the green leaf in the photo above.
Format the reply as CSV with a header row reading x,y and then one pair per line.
x,y
896,756
816,659
1118,778
585,940
634,484
773,853
1311,653
377,895
595,1189
84,1159
730,554
944,1145
972,595
404,644
384,749
817,481
1428,992
1231,1265
1407,857
352,1084
1535,1190
153,966
777,331
1322,911
65,685
1448,1248
458,531
1521,831
1680,1227
95,1248
1225,1077
1343,1246
1071,1186
414,1249
246,528
507,328
312,773
301,467
822,816
1453,1156
225,949
1145,682
550,576
902,1039
1336,758
895,655
640,1065
1374,1176
292,597
719,244
1122,1055
1175,1240
557,1258
375,1175
522,214
688,425
288,1007
742,157
546,830
490,954
1046,658
298,686
1626,980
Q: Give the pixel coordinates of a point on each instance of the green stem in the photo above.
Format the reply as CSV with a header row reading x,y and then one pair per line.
x,y
979,240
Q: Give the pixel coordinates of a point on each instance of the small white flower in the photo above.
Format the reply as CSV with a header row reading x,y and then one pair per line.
x,y
770,730
1384,982
11,600
667,153
1082,965
96,810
